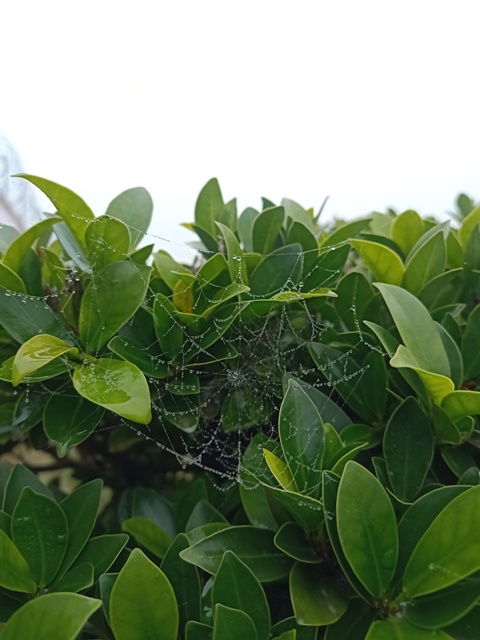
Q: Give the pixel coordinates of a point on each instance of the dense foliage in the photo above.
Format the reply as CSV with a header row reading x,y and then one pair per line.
x,y
279,441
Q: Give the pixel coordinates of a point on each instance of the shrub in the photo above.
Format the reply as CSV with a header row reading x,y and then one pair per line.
x,y
279,441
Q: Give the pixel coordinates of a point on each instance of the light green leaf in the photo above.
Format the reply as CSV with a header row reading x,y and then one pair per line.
x,y
10,280
36,353
450,548
384,263
278,271
54,616
15,254
236,265
134,207
406,229
426,263
208,206
302,438
316,598
367,528
75,212
110,300
116,385
107,240
15,573
280,471
461,403
468,224
266,227
142,602
420,337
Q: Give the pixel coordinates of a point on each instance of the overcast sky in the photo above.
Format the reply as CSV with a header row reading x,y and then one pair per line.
x,y
372,102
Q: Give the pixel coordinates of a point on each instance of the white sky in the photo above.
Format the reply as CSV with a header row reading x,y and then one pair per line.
x,y
372,102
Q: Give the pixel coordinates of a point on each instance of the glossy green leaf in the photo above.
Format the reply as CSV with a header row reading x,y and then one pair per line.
x,y
329,410
427,262
78,579
316,598
147,503
167,326
148,534
134,207
354,624
327,268
101,552
237,587
245,226
367,528
232,624
406,229
107,240
116,385
236,266
450,548
280,471
203,513
408,449
40,532
444,607
345,232
243,409
15,573
184,580
266,227
305,510
72,247
442,290
278,271
198,631
10,280
302,235
168,269
204,531
292,540
110,300
54,616
401,629
421,338
73,209
147,359
461,403
256,505
80,508
471,344
302,438
69,419
208,206
142,602
255,547
384,263
467,627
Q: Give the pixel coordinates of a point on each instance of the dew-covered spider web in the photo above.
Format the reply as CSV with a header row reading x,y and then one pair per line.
x,y
261,342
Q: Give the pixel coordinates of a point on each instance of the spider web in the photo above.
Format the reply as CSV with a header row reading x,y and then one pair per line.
x,y
269,347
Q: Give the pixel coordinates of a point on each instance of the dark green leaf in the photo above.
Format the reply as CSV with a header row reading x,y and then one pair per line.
x,y
147,359
15,573
401,629
279,271
354,624
148,534
316,599
102,552
20,478
291,539
232,624
78,579
195,493
471,344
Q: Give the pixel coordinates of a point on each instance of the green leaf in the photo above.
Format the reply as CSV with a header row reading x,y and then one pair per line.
x,y
184,579
36,353
426,263
467,627
442,290
69,419
107,240
232,624
384,263
26,316
278,271
237,587
116,385
305,510
168,269
245,227
147,359
301,234
72,247
40,532
461,403
471,345
110,300
148,534
16,252
167,326
444,607
102,552
468,225
421,337
255,547
327,268
54,616
302,438
316,598
21,477
280,471
78,579
367,528
80,508
142,602
134,207
236,265
329,410
401,629
15,573
243,409
208,206
75,212
198,631
406,229
203,513
354,624
450,548
289,625
408,448
345,232
292,540
266,227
